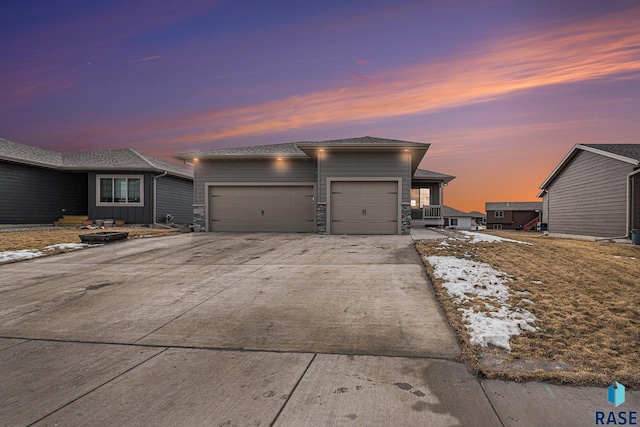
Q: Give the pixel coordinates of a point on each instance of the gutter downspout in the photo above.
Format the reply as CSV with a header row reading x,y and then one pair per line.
x,y
155,200
629,198
628,214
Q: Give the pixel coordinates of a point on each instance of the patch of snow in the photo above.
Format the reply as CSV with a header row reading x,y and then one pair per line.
x,y
444,243
470,281
62,246
528,301
481,237
617,256
19,255
537,282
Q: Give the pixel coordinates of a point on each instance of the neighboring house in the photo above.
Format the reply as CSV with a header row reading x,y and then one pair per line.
x,y
479,218
512,215
349,186
459,220
40,186
594,191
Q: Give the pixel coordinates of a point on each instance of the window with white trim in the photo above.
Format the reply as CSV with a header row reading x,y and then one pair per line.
x,y
120,190
454,221
499,214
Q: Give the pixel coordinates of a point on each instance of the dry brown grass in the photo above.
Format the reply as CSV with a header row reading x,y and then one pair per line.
x,y
587,300
38,239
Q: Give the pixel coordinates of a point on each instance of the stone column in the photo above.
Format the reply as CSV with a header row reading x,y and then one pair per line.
x,y
406,218
199,218
321,218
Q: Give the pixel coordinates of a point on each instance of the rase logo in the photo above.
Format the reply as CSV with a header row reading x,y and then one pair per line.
x,y
615,396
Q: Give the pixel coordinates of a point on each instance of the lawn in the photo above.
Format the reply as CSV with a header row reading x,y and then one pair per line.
x,y
585,297
42,239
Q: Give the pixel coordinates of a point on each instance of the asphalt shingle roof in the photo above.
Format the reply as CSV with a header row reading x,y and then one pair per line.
x,y
293,148
423,173
27,154
113,159
631,151
449,212
272,149
513,206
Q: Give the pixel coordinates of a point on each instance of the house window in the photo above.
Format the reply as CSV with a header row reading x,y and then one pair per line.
x,y
120,190
454,222
499,214
420,197
497,226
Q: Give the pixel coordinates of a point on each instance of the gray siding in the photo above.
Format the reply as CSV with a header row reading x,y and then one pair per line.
x,y
589,197
175,197
635,220
32,195
545,208
257,170
130,214
353,165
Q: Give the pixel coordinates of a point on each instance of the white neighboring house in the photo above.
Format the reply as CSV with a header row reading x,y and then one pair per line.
x,y
459,220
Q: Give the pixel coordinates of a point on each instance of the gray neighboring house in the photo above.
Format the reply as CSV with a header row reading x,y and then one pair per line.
x,y
362,185
456,219
594,191
39,186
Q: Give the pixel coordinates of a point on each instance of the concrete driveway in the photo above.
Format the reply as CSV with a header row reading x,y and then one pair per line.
x,y
228,329
272,292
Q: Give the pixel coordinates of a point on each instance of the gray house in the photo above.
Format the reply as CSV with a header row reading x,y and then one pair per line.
x,y
459,220
350,186
594,191
40,186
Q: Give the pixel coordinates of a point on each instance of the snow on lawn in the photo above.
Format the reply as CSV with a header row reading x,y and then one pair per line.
x,y
481,237
473,281
62,246
19,255
34,253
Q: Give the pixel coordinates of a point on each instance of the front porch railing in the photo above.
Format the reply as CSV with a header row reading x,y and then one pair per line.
x,y
432,212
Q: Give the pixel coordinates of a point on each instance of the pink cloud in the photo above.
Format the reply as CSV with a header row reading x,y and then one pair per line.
x,y
600,48
149,58
362,61
359,77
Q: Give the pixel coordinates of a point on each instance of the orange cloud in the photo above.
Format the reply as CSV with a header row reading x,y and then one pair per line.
x,y
601,48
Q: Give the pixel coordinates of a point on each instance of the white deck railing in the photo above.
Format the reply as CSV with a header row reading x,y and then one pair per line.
x,y
432,212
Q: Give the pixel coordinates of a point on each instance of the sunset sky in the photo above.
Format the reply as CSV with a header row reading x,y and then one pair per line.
x,y
501,89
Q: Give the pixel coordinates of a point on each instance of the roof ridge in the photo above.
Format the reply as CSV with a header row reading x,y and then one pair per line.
x,y
147,161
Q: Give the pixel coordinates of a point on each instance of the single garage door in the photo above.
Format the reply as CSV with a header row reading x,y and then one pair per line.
x,y
283,209
364,207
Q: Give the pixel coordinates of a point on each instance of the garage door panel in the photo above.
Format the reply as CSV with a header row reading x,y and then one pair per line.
x,y
364,207
262,208
381,214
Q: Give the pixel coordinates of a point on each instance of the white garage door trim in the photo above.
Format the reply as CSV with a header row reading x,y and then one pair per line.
x,y
208,185
397,180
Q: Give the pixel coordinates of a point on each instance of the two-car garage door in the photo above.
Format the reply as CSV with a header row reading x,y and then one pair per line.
x,y
355,207
284,209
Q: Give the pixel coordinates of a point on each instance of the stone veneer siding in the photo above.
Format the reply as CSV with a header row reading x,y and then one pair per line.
x,y
321,218
199,218
406,218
